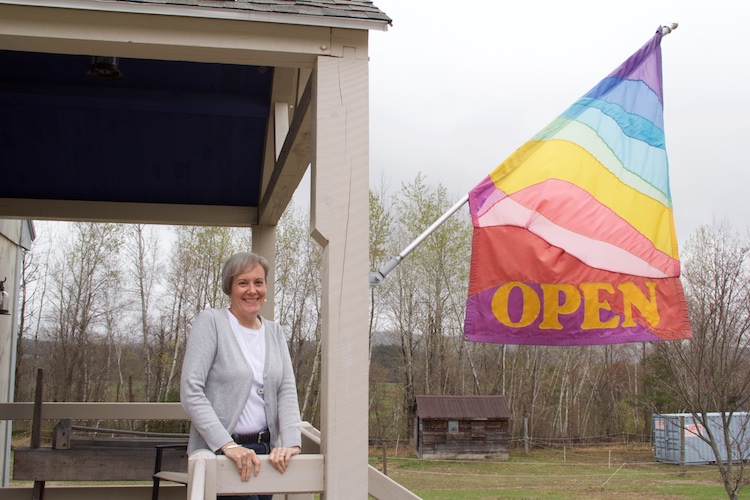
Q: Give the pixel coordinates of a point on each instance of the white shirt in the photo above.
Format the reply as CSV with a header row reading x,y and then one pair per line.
x,y
253,346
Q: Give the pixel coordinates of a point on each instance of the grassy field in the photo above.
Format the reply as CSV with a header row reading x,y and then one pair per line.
x,y
619,471
598,473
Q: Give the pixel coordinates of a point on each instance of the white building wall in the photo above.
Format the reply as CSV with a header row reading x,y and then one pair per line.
x,y
13,234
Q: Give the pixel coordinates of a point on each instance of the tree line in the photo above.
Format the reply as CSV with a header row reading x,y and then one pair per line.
x,y
106,310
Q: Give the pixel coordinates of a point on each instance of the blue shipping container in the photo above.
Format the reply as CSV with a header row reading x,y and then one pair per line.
x,y
667,432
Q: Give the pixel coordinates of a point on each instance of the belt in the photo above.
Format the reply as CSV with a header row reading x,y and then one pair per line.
x,y
263,436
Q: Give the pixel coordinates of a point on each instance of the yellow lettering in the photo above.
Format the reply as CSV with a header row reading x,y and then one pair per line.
x,y
563,298
633,297
552,306
531,304
592,304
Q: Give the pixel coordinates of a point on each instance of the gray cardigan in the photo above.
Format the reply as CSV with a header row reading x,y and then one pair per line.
x,y
216,380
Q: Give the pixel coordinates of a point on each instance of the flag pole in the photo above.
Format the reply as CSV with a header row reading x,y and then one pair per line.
x,y
377,277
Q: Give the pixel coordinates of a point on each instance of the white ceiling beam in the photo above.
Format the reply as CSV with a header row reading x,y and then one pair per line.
x,y
291,164
142,213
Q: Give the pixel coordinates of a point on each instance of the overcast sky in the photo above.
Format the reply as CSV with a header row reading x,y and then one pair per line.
x,y
455,87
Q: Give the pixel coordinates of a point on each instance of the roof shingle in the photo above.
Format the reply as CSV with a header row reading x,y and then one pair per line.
x,y
346,9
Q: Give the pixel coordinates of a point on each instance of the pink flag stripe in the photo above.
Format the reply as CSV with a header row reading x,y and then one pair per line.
x,y
574,220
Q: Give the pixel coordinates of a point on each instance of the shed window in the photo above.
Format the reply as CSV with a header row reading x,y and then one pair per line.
x,y
477,429
435,425
452,426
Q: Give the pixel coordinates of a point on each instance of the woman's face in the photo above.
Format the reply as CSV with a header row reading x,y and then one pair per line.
x,y
248,292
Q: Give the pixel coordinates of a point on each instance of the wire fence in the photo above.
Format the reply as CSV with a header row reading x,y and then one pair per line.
x,y
621,439
591,469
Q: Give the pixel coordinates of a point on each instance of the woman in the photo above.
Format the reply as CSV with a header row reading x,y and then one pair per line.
x,y
237,382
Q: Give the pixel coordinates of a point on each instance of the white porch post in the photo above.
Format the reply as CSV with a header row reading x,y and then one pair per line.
x,y
340,224
264,244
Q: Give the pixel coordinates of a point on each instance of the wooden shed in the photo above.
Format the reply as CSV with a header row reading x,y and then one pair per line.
x,y
462,427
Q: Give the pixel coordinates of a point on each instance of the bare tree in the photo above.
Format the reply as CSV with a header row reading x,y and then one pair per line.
x,y
422,300
192,283
33,294
142,253
381,225
85,268
711,372
298,301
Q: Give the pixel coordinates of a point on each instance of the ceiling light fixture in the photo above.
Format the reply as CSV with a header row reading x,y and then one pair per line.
x,y
104,68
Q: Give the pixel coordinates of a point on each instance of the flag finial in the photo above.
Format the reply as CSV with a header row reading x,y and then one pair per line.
x,y
668,28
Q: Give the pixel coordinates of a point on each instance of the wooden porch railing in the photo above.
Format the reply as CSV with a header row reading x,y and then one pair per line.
x,y
379,486
211,475
216,473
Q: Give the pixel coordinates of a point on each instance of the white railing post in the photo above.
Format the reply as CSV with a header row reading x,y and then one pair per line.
x,y
197,479
202,476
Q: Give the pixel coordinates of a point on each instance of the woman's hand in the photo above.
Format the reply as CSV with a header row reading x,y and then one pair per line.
x,y
279,457
246,459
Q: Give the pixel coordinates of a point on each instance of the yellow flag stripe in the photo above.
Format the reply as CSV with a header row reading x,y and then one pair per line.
x,y
537,161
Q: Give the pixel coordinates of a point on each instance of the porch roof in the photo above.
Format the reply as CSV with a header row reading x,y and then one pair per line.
x,y
344,9
187,134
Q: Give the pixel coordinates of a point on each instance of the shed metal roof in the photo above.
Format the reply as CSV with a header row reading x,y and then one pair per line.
x,y
462,407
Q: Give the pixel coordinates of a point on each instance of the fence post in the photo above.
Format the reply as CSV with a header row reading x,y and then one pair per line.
x,y
36,423
385,458
682,446
36,428
526,434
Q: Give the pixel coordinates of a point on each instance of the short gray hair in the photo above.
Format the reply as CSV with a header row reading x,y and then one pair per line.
x,y
237,264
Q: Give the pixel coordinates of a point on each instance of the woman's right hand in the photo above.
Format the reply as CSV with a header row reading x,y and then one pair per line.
x,y
246,459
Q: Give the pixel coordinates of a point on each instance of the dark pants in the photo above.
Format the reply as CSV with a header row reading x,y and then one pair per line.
x,y
259,449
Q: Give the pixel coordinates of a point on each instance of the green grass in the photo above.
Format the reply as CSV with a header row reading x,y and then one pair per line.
x,y
596,473
623,472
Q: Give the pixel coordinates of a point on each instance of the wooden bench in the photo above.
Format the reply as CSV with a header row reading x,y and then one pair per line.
x,y
99,458
99,455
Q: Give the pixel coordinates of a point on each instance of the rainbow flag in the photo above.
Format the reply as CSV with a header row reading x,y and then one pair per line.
x,y
574,240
